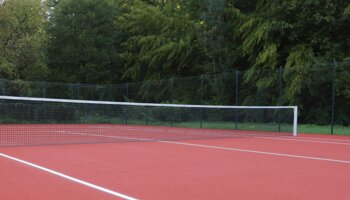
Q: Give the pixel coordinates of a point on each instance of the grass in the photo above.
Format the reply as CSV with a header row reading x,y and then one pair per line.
x,y
317,129
240,126
210,124
302,128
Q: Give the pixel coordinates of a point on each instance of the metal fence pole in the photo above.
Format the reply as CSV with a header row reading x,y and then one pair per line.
x,y
2,82
171,114
201,113
127,91
125,111
333,95
237,98
44,89
77,90
147,92
280,73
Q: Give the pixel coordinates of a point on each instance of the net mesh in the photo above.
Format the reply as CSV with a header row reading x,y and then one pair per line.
x,y
40,121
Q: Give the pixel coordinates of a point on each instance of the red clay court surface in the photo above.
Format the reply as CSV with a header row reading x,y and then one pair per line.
x,y
264,168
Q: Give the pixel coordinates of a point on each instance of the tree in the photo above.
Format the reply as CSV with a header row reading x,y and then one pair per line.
x,y
218,34
84,42
162,41
294,34
302,36
23,40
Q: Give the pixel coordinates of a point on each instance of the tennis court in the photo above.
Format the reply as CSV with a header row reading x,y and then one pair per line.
x,y
124,151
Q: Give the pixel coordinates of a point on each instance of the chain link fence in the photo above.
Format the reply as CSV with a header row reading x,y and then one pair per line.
x,y
322,93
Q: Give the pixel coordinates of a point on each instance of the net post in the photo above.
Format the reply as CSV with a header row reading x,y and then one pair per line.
x,y
295,120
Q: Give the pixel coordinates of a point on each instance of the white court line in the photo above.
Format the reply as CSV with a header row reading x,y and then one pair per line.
x,y
217,133
323,139
227,148
257,152
96,187
303,140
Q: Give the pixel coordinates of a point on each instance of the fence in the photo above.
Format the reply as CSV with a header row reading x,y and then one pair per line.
x,y
322,94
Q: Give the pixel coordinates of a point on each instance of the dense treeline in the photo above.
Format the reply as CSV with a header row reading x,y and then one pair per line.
x,y
114,41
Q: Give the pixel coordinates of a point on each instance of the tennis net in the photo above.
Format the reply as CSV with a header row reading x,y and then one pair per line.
x,y
42,121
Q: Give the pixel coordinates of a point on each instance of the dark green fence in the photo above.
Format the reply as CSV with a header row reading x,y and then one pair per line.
x,y
322,92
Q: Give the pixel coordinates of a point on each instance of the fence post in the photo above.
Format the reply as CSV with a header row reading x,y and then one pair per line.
x,y
333,95
147,93
44,89
201,114
126,116
2,87
77,90
280,73
171,114
127,91
237,97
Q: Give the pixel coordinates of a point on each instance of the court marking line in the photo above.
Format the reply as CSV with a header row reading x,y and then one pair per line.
x,y
303,140
318,138
214,147
227,148
253,136
96,187
257,152
300,138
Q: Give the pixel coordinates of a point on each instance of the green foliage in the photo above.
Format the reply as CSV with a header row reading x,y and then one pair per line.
x,y
6,69
84,42
110,41
297,69
23,39
295,34
162,41
347,10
